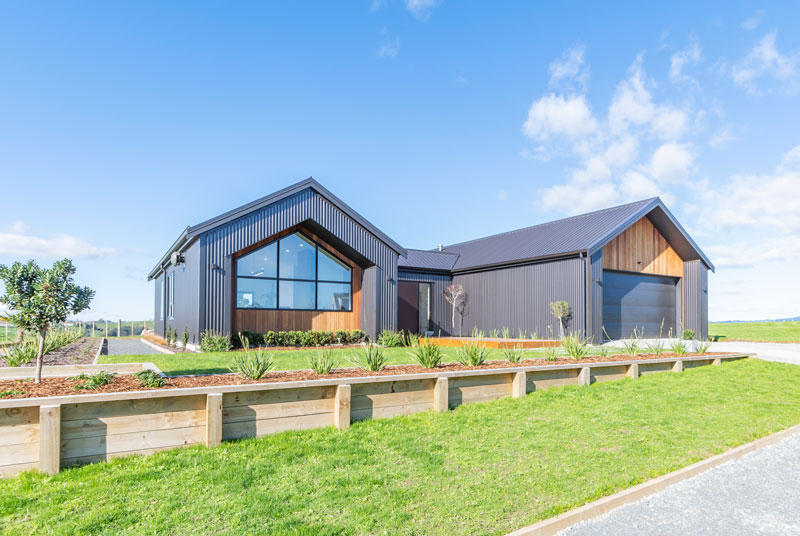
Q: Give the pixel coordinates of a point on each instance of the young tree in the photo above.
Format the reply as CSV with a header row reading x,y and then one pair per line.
x,y
560,310
456,296
41,297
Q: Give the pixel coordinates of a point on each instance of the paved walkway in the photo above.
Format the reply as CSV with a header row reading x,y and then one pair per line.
x,y
771,351
128,347
757,494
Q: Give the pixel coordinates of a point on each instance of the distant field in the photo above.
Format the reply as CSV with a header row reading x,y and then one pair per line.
x,y
756,331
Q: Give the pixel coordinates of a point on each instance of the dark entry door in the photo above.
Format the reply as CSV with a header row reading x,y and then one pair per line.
x,y
408,306
638,301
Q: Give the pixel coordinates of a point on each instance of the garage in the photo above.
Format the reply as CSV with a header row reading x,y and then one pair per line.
x,y
639,301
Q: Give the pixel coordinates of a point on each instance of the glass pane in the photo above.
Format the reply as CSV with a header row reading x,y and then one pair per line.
x,y
298,258
424,307
255,293
331,268
297,294
262,262
333,296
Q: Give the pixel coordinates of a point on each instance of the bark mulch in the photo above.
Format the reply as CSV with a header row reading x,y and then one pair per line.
x,y
124,383
80,352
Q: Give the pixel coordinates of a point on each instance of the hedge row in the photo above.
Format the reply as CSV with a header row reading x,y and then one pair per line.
x,y
300,338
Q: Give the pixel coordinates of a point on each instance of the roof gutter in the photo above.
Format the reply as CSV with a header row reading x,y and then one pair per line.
x,y
521,262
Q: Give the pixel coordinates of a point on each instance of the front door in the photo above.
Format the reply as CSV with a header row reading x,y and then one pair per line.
x,y
413,307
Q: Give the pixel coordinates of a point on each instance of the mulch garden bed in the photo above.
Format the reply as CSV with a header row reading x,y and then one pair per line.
x,y
80,352
124,383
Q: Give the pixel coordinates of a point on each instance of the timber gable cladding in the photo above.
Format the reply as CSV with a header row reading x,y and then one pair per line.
x,y
510,278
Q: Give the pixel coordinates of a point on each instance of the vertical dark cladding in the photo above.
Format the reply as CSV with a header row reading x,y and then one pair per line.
x,y
519,297
440,310
186,295
218,245
595,280
695,297
158,320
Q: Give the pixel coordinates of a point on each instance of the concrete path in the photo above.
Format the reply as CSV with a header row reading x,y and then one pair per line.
x,y
757,494
128,347
771,351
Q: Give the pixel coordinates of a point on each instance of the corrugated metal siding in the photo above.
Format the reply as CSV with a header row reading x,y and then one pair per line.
x,y
427,260
441,315
595,327
695,298
519,297
187,294
371,301
220,243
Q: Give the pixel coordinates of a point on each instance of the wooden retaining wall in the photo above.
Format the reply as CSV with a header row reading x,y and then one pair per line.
x,y
54,371
50,433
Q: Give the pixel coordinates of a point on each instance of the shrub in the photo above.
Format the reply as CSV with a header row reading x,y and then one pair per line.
x,y
412,340
390,339
515,354
252,364
270,338
148,378
323,361
550,353
678,348
688,334
185,338
12,392
21,353
90,382
341,336
633,346
506,333
521,334
656,348
427,354
370,358
603,351
357,336
575,345
472,353
214,342
702,347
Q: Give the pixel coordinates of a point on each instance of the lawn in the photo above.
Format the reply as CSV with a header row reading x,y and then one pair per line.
x,y
208,363
756,331
485,468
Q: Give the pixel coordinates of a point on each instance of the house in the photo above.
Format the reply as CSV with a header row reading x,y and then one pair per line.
x,y
302,259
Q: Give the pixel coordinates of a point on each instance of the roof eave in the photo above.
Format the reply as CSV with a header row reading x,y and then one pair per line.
x,y
182,239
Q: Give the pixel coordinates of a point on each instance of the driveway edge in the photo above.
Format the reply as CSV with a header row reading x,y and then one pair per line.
x,y
606,504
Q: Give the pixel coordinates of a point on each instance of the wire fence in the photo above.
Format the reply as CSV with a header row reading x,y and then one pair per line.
x,y
93,328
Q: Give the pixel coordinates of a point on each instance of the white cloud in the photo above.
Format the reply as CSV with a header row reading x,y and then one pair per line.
x,y
671,163
632,103
553,116
747,255
752,22
570,68
421,9
575,198
766,201
721,138
390,46
636,186
790,160
669,123
683,58
765,61
18,243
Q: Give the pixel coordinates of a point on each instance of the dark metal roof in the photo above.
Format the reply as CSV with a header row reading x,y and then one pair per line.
x,y
192,232
583,233
428,260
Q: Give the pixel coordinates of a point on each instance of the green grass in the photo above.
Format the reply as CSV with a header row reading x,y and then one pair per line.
x,y
216,362
756,331
485,468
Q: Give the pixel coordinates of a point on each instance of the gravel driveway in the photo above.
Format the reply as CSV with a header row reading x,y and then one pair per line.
x,y
128,347
771,351
757,494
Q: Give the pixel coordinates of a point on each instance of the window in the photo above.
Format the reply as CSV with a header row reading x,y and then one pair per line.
x,y
293,273
170,296
161,299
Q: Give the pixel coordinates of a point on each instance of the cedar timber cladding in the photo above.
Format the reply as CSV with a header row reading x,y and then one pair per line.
x,y
221,242
641,248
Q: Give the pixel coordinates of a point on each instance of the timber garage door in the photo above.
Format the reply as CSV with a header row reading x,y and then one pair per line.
x,y
638,301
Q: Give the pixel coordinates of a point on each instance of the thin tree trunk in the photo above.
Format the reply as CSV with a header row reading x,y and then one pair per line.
x,y
454,318
40,356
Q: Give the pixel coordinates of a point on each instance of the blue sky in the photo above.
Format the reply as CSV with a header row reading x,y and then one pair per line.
x,y
439,121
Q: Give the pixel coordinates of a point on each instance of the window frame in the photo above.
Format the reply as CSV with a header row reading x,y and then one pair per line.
x,y
170,295
316,281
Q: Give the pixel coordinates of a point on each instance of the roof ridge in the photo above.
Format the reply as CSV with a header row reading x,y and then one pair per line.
x,y
560,220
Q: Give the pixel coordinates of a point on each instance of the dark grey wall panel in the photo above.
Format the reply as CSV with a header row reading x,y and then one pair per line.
x,y
441,314
595,324
220,243
158,321
187,294
371,301
519,297
695,298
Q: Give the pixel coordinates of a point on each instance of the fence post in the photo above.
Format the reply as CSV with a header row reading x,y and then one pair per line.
x,y
585,376
341,407
132,334
678,366
50,439
119,328
213,419
717,361
633,370
106,329
92,328
518,385
441,393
